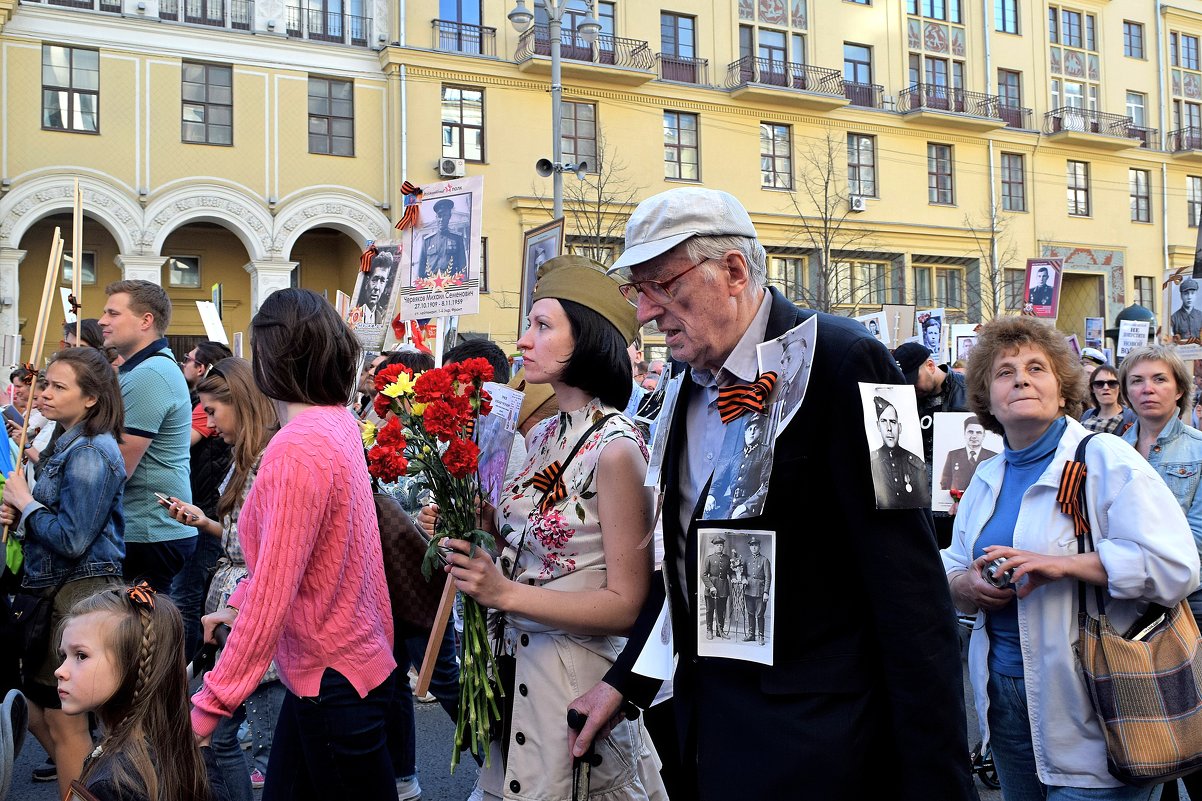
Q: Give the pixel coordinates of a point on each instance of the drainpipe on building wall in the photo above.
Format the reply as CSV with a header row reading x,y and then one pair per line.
x,y
1164,128
993,284
400,33
404,132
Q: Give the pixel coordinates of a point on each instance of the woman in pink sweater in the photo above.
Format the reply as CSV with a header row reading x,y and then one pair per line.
x,y
315,600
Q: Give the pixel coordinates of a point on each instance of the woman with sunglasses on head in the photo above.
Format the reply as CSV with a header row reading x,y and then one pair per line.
x,y
1107,414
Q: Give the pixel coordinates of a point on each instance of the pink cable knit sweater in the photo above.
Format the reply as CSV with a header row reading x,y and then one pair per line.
x,y
316,596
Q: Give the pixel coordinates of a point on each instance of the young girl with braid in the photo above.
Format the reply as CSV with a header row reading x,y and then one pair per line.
x,y
123,658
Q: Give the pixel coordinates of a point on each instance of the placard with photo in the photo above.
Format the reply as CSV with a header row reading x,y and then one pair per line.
x,y
736,589
1094,332
1041,288
739,485
442,252
899,473
374,296
878,325
789,356
932,333
961,444
663,424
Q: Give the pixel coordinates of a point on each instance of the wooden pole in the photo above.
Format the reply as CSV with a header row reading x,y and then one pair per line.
x,y
39,342
77,259
445,604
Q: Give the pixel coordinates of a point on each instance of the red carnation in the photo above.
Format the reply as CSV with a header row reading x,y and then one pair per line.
x,y
391,435
441,420
382,405
386,464
389,374
461,457
432,385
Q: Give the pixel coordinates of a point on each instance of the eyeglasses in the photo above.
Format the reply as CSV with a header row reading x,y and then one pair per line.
x,y
184,362
658,291
1106,384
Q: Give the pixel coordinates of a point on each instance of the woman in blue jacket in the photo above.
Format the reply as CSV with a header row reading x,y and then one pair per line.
x,y
74,530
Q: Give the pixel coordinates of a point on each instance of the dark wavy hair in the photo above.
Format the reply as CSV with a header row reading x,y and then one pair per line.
x,y
599,363
303,351
1006,335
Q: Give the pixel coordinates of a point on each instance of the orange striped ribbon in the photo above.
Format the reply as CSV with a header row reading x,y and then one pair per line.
x,y
413,202
365,259
549,481
735,400
142,594
1069,495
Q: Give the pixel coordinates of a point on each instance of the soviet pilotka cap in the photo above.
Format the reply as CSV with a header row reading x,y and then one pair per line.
x,y
663,221
585,281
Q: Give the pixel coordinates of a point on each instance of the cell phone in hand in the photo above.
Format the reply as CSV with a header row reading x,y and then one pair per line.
x,y
165,499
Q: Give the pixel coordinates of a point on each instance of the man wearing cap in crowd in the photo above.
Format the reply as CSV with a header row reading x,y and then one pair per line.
x,y
1091,359
755,590
938,390
1187,321
443,252
716,578
1041,293
865,678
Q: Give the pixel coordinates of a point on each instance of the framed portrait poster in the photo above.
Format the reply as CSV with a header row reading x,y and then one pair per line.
x,y
1041,289
538,245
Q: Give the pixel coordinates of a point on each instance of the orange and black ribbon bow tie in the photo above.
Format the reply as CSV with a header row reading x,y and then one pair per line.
x,y
413,201
141,594
735,400
549,481
1069,495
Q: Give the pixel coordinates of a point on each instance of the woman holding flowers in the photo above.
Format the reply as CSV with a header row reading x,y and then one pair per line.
x,y
315,597
574,574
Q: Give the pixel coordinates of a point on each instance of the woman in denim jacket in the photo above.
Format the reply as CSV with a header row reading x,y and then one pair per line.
x,y
1158,386
74,529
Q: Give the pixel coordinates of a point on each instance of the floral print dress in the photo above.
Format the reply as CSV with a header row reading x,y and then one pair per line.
x,y
562,550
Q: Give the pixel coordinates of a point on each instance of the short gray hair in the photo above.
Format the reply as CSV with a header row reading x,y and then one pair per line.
x,y
700,248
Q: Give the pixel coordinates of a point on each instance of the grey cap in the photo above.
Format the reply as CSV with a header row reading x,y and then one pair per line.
x,y
1188,285
663,221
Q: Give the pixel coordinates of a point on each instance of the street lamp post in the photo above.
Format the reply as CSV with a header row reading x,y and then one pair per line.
x,y
521,18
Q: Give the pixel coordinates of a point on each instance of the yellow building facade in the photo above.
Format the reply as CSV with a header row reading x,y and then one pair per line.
x,y
889,151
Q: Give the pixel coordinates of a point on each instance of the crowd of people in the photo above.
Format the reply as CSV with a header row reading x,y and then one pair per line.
x,y
201,536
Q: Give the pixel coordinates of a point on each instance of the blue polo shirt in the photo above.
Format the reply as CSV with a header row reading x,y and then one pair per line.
x,y
157,407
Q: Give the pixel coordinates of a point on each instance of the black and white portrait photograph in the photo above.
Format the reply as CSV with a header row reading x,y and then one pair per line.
x,y
1042,288
961,443
375,290
964,346
538,245
736,594
929,327
659,433
740,483
1185,322
891,426
878,325
789,356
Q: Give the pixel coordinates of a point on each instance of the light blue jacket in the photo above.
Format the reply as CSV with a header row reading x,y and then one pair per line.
x,y
1144,543
1177,456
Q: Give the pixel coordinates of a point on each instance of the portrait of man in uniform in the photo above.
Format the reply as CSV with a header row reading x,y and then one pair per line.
x,y
757,586
962,463
1042,292
1186,321
715,575
899,476
740,483
443,252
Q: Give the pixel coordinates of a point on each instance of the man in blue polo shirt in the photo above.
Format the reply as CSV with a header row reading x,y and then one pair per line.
x,y
157,435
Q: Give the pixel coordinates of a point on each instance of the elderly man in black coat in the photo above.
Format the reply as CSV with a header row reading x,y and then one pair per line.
x,y
865,678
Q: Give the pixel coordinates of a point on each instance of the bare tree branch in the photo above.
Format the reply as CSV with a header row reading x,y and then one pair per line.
x,y
998,251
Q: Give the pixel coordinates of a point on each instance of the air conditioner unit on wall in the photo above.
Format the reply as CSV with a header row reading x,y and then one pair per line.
x,y
451,168
857,203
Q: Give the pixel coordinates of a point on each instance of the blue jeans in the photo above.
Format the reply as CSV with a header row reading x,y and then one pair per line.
x,y
190,587
332,745
262,713
1010,739
444,684
229,759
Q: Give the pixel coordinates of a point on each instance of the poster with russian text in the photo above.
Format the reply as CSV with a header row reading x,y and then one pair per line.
x,y
441,254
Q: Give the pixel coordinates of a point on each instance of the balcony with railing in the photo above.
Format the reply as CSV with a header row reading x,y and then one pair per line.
x,y
1186,143
865,95
1015,116
1097,129
683,70
323,25
625,61
462,37
803,85
234,14
950,107
110,6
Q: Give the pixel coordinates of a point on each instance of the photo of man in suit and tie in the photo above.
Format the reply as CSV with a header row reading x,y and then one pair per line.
x,y
962,463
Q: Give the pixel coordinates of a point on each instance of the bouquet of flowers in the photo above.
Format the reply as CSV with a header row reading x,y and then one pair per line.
x,y
430,433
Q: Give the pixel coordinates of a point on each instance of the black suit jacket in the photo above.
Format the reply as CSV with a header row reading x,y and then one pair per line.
x,y
866,680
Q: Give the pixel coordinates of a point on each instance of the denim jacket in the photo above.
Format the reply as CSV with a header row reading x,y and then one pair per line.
x,y
76,511
1177,457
